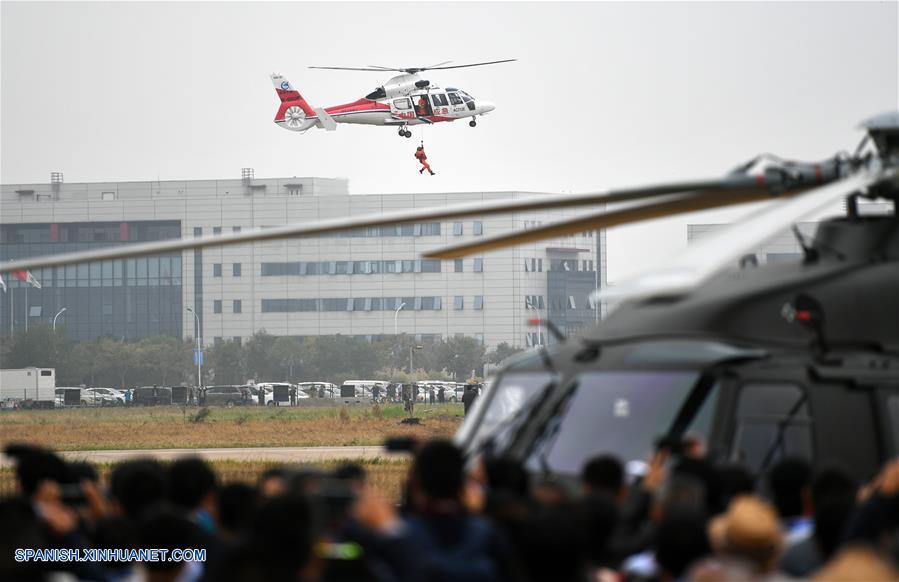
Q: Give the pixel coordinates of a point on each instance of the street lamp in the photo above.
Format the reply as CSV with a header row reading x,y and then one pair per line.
x,y
57,315
199,355
395,314
411,351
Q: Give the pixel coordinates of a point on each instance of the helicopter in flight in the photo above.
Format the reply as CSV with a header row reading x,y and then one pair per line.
x,y
405,100
759,363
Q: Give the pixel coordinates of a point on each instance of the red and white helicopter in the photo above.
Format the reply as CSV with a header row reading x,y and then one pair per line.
x,y
404,100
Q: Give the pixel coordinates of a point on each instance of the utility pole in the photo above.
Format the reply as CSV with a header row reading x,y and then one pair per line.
x,y
199,352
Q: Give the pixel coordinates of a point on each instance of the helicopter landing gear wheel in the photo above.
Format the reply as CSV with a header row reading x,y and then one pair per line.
x,y
408,134
472,123
402,132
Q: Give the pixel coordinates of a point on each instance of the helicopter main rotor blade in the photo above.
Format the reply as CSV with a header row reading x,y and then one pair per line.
x,y
673,205
379,69
703,259
468,65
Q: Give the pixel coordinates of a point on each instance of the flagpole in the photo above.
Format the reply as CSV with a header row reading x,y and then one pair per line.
x,y
26,308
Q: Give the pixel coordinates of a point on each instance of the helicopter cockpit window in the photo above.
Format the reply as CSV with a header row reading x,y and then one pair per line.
x,y
378,93
466,97
772,422
454,99
621,413
439,100
402,103
503,401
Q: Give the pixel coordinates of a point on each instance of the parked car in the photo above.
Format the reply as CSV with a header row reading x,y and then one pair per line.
x,y
319,389
363,387
278,393
229,396
102,397
151,396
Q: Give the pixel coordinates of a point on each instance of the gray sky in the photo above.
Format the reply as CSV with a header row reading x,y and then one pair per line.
x,y
603,94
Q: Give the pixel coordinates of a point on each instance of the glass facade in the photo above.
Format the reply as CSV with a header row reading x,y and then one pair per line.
x,y
307,268
127,298
351,304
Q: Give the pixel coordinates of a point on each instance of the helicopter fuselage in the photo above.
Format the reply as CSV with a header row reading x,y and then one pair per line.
x,y
403,101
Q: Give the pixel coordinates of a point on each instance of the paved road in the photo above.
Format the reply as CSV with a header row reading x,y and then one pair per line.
x,y
283,454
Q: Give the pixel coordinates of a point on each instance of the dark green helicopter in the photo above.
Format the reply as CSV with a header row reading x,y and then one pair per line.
x,y
760,363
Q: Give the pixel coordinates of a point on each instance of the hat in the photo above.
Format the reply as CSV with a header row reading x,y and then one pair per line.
x,y
750,529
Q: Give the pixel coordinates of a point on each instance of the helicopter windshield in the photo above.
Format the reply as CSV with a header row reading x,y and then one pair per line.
x,y
620,413
466,97
378,93
503,401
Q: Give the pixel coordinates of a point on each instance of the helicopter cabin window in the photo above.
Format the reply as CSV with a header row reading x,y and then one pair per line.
x,y
439,100
772,422
402,103
454,99
378,93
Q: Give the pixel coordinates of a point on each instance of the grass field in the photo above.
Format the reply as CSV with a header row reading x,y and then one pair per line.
x,y
186,427
385,476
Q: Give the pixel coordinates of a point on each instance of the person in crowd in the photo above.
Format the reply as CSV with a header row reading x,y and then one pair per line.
x,y
604,474
468,398
833,498
747,541
789,483
441,395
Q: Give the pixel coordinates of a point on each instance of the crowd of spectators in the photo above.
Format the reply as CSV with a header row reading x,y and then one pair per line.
x,y
483,520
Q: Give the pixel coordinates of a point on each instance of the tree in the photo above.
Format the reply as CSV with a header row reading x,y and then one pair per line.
x,y
502,352
227,363
261,363
288,352
462,355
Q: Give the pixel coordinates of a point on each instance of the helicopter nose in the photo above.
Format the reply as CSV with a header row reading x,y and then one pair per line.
x,y
486,106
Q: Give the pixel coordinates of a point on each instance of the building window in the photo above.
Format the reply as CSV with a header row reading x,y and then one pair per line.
x,y
457,228
477,228
216,269
458,265
216,230
238,306
235,229
104,196
478,302
479,337
217,306
198,231
539,265
235,269
479,265
458,302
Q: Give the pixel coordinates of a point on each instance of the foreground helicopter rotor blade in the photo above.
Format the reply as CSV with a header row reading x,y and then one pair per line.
x,y
703,259
548,202
670,206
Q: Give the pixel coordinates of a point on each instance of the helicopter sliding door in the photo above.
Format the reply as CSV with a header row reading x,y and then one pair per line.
x,y
824,423
422,106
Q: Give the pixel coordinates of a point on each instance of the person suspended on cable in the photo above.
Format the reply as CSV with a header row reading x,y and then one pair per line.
x,y
422,157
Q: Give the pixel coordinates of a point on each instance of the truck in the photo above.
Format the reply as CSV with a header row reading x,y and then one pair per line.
x,y
28,387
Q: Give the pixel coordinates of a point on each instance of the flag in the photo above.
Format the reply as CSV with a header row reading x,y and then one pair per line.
x,y
2,284
27,277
